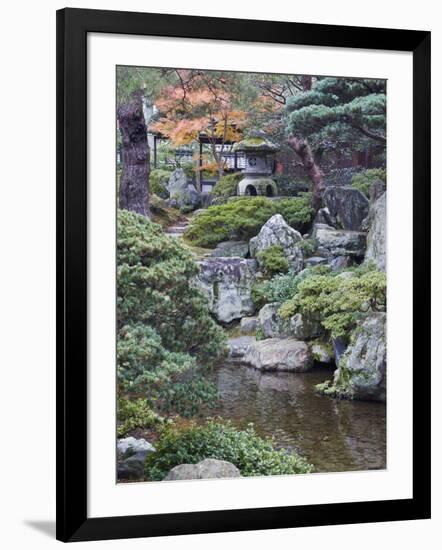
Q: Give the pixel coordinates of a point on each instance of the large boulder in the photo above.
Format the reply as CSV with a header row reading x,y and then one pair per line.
x,y
271,324
377,188
177,181
376,238
364,364
275,354
183,193
227,249
300,326
322,352
188,197
337,242
227,283
347,205
132,454
323,216
304,327
132,467
276,232
209,468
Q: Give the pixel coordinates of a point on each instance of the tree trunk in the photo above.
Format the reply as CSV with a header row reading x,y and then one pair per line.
x,y
314,172
306,82
134,184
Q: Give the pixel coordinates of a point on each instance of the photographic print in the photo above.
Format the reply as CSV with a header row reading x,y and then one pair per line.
x,y
251,274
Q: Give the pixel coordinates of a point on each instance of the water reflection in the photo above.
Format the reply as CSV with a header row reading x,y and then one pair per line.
x,y
333,435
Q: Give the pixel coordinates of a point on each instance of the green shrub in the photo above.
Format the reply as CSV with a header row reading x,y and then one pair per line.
x,y
227,185
251,454
134,414
364,180
243,218
188,397
165,332
296,211
308,247
144,363
273,260
158,179
339,298
282,287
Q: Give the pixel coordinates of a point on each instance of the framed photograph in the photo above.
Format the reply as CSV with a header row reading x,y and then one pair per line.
x,y
243,275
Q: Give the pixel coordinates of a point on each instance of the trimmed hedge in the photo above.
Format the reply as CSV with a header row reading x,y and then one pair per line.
x,y
242,218
227,185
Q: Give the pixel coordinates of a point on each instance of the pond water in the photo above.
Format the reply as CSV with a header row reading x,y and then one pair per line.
x,y
333,435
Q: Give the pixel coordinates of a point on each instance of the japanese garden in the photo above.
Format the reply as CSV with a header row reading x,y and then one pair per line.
x,y
251,274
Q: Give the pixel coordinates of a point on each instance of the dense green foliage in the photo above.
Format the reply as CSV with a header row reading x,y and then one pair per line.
x,y
135,413
281,288
144,81
365,179
158,179
339,298
252,455
165,333
243,218
340,112
187,398
273,260
227,185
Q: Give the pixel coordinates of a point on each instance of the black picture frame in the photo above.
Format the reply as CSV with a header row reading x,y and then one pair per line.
x,y
73,25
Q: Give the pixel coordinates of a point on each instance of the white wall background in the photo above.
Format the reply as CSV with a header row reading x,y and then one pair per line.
x,y
27,272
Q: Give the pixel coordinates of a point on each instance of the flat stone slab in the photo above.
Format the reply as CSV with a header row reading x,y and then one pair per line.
x,y
277,354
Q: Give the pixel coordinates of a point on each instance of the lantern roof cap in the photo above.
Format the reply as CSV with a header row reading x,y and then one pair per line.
x,y
255,142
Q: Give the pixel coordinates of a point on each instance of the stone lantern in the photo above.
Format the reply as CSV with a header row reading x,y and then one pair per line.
x,y
260,160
